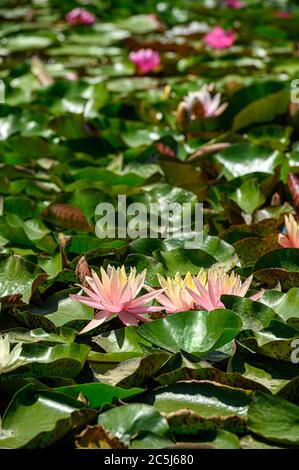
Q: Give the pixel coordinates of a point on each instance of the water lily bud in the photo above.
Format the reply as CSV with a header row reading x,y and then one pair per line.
x,y
276,201
182,115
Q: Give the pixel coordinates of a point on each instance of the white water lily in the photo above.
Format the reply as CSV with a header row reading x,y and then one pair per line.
x,y
203,104
9,359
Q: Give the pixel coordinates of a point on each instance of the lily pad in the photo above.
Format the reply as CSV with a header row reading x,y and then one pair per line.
x,y
51,415
193,332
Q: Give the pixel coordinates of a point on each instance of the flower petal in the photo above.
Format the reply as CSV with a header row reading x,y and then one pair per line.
x,y
86,301
128,318
99,318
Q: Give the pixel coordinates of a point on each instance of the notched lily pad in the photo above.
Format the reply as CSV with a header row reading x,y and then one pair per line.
x,y
281,265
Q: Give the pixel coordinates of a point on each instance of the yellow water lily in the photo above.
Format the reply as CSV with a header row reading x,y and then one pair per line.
x,y
175,297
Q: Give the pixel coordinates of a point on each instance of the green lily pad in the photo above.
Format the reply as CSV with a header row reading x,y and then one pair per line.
x,y
130,422
266,411
51,415
193,332
243,159
18,276
188,401
99,394
135,371
40,360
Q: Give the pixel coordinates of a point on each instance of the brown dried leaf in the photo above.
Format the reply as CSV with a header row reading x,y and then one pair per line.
x,y
63,241
182,116
83,270
96,437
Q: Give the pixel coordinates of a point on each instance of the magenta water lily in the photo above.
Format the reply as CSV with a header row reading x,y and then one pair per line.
x,y
234,4
145,60
218,38
79,16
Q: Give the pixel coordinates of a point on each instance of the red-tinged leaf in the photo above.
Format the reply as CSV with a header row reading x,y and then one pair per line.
x,y
293,183
164,149
67,216
207,149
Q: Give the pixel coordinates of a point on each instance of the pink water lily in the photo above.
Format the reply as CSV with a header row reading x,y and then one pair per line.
x,y
291,239
116,293
218,38
80,16
207,295
145,60
283,14
203,104
235,4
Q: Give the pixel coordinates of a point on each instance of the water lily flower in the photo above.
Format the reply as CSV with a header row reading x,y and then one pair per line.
x,y
235,4
200,104
207,294
71,76
9,359
283,14
291,239
176,297
80,16
145,60
218,38
116,293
